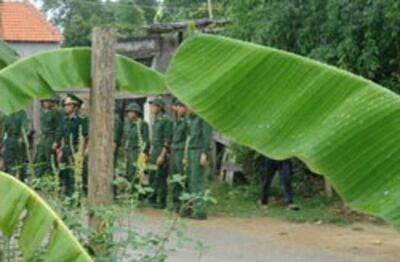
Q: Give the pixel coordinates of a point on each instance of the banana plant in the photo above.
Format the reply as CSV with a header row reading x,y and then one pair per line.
x,y
38,76
39,224
7,55
342,126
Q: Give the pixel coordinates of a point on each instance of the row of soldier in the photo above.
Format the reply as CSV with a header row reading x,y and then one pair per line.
x,y
176,146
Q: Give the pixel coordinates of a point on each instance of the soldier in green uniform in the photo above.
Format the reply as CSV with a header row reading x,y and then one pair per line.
x,y
118,134
199,141
179,138
51,130
15,155
2,120
75,127
137,139
160,146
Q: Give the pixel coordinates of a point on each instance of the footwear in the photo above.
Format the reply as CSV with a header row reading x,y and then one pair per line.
x,y
199,217
293,207
262,205
185,212
175,208
159,206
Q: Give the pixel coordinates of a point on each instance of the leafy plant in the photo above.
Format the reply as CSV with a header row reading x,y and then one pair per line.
x,y
40,225
342,126
359,36
7,55
40,75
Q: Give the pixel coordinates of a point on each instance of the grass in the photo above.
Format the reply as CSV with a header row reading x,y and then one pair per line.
x,y
241,201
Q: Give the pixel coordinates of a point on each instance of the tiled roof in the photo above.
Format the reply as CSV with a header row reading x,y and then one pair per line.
x,y
20,21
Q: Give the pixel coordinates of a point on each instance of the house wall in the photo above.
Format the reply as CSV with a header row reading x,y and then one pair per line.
x,y
154,51
26,49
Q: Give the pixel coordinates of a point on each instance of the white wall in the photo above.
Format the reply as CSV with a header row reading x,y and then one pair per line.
x,y
26,49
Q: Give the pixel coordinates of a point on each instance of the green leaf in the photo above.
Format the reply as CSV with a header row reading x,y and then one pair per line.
x,y
7,55
40,75
18,203
342,126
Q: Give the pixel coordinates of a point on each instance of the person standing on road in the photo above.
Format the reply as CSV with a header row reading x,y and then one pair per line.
x,y
51,130
269,168
2,120
74,141
199,142
16,135
137,139
177,167
160,146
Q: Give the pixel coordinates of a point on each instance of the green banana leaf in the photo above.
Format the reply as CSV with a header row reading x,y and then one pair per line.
x,y
40,75
7,55
283,105
39,221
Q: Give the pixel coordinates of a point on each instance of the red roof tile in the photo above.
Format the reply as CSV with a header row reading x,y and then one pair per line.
x,y
20,21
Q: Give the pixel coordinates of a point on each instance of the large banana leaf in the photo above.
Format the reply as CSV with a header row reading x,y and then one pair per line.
x,y
7,55
342,126
39,75
18,202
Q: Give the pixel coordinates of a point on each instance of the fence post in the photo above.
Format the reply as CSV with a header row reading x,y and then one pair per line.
x,y
101,127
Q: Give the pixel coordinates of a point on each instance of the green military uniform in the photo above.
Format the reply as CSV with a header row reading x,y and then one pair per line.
x,y
51,131
118,133
137,132
180,132
15,155
2,120
161,138
73,128
118,136
199,140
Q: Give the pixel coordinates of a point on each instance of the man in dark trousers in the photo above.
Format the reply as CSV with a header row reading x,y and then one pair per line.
x,y
269,168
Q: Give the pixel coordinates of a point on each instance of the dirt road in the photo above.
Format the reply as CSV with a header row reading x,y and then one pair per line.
x,y
263,239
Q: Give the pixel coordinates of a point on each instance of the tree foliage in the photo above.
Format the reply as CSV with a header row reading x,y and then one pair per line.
x,y
361,36
192,9
77,18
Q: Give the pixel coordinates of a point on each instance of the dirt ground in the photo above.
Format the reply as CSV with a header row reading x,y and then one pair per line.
x,y
265,239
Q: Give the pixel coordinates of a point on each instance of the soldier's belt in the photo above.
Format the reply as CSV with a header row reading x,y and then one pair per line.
x,y
180,148
15,135
195,148
48,135
157,145
134,148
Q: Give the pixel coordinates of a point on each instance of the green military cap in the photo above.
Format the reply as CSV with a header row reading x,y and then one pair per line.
x,y
73,99
174,100
54,98
133,107
179,103
158,101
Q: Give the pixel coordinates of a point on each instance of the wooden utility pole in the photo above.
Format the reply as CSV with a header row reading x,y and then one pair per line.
x,y
101,125
210,10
